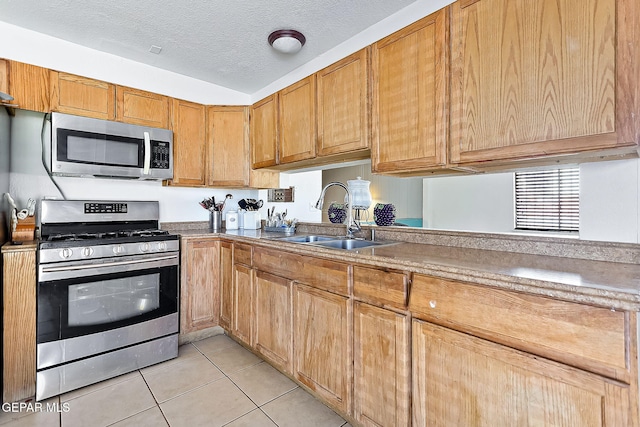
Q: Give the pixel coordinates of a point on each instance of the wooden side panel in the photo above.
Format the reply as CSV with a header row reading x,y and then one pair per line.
x,y
200,290
532,79
229,146
273,335
539,325
226,284
243,304
29,86
410,97
264,132
343,105
322,356
381,287
189,143
382,367
462,380
297,121
81,96
320,273
19,325
139,107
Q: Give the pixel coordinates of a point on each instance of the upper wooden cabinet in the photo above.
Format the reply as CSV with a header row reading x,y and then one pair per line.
x,y
228,129
4,76
410,97
343,105
297,121
82,96
264,132
533,79
139,107
29,86
189,143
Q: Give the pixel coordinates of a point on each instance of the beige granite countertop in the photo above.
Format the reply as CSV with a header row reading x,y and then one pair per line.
x,y
605,283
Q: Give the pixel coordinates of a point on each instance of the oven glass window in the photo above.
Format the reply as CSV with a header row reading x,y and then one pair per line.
x,y
108,301
103,152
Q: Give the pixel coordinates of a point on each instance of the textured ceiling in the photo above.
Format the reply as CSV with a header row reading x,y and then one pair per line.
x,y
221,42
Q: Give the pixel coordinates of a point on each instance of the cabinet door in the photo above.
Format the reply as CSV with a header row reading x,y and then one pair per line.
x,y
19,324
343,105
229,146
273,336
226,284
382,366
243,302
29,86
199,289
189,143
264,132
322,350
410,90
139,107
297,121
4,76
82,96
462,380
531,79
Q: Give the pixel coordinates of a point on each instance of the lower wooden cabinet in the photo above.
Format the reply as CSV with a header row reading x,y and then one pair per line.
x,y
199,285
242,316
461,380
382,366
322,337
273,335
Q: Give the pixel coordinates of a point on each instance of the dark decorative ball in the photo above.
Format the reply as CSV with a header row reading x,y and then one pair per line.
x,y
384,214
337,213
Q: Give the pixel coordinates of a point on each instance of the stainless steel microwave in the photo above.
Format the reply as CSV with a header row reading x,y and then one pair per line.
x,y
81,146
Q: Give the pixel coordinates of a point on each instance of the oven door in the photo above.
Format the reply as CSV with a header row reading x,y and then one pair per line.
x,y
108,297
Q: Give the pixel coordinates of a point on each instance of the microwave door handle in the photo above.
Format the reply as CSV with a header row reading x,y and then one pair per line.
x,y
147,153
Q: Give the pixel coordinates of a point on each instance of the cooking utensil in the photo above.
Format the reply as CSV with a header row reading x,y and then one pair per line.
x,y
31,207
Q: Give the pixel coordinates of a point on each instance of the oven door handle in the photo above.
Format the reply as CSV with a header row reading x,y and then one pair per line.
x,y
64,272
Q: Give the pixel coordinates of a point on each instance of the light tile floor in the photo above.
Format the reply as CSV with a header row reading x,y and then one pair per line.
x,y
213,382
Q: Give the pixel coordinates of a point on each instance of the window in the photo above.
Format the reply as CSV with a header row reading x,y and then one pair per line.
x,y
548,200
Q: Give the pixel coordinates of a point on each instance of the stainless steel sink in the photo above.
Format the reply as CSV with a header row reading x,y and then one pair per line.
x,y
307,239
349,244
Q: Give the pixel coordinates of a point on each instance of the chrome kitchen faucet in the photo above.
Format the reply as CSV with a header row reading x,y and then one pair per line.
x,y
352,226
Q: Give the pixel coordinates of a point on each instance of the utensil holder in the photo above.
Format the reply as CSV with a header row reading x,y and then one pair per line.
x,y
215,220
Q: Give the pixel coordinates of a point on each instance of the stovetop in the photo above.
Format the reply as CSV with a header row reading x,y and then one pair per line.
x,y
63,237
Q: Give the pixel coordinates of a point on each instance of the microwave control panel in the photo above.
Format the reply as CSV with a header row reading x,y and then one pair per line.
x,y
160,155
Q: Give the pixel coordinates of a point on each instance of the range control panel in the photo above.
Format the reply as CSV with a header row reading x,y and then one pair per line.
x,y
102,208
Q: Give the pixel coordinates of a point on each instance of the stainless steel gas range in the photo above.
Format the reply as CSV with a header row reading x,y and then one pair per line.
x,y
107,293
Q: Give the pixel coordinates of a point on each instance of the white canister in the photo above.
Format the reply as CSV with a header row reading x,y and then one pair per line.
x,y
231,220
252,220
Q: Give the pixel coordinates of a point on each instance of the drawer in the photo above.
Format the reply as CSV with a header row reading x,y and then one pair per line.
x,y
242,254
320,273
381,287
588,337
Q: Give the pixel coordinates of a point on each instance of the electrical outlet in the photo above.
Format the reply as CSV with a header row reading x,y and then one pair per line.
x,y
280,194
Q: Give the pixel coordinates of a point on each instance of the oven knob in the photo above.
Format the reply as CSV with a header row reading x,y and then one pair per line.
x,y
118,249
162,246
66,253
144,247
87,252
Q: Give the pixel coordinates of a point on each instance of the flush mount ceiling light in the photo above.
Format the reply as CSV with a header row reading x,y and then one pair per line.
x,y
287,41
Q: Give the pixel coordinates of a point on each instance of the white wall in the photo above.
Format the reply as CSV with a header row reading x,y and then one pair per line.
x,y
35,48
609,202
472,203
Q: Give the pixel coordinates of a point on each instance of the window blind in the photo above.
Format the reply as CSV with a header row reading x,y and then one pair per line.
x,y
548,200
